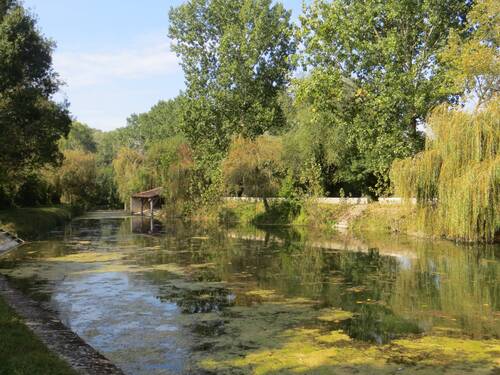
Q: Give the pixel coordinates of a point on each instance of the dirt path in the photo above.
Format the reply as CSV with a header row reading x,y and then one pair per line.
x,y
56,336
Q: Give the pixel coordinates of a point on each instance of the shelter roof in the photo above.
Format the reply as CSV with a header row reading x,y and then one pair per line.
x,y
153,193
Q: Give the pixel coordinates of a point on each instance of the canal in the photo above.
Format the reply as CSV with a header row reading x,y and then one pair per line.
x,y
177,298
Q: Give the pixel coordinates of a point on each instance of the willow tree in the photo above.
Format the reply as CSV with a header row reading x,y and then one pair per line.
x,y
169,163
76,178
129,173
254,168
456,179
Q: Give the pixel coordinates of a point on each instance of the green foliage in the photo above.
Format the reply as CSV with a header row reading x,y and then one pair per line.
x,y
76,178
474,61
31,123
236,59
129,174
35,190
254,168
35,223
162,121
375,75
80,137
456,179
170,164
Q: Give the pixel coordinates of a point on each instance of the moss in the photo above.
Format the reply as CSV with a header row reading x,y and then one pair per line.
x,y
303,350
87,257
334,315
445,351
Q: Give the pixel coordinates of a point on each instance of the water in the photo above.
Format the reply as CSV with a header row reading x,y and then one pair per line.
x,y
180,299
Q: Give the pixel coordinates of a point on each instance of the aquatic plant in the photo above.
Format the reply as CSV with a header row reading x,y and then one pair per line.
x,y
456,179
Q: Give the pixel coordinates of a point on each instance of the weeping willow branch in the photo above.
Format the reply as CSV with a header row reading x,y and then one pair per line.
x,y
456,179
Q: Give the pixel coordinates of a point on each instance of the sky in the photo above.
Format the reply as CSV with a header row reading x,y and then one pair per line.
x,y
113,55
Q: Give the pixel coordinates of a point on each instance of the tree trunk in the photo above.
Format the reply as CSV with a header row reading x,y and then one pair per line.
x,y
266,204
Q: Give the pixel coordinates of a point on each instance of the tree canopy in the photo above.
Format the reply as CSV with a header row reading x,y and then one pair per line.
x,y
375,74
31,122
456,179
236,57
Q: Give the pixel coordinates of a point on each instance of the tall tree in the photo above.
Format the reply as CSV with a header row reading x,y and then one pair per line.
x,y
474,61
81,137
31,123
162,121
383,57
236,59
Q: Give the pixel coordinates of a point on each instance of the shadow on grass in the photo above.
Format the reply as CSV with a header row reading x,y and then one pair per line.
x,y
21,352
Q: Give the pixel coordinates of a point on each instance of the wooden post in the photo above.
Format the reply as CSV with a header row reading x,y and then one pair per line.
x,y
151,204
142,207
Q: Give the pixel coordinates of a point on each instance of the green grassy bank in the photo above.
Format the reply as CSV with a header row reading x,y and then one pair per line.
x,y
283,213
21,352
33,223
373,217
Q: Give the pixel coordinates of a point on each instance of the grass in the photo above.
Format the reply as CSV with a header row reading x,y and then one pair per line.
x,y
21,352
33,223
240,212
323,216
386,218
320,215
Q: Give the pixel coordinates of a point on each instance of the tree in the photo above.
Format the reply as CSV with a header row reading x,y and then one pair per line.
x,y
254,168
236,59
375,75
81,137
170,163
31,123
474,61
76,178
456,179
163,120
129,173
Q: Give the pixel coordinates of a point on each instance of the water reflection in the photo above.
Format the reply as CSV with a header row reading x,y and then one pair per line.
x,y
194,297
145,224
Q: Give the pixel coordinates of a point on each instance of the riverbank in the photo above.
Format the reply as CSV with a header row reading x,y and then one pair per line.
x,y
379,217
33,222
47,346
386,216
33,340
21,352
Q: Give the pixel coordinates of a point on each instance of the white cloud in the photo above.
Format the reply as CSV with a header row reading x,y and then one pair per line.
x,y
83,69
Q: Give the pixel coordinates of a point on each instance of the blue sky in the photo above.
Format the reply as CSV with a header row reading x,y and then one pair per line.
x,y
113,55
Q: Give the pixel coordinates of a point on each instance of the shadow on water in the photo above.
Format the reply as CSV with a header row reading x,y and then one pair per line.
x,y
204,299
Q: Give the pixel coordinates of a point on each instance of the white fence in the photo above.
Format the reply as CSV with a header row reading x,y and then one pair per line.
x,y
353,201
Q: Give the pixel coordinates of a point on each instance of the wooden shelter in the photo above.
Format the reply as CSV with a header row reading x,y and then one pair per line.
x,y
144,201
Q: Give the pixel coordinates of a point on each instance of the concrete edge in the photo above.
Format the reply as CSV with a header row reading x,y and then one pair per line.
x,y
58,338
